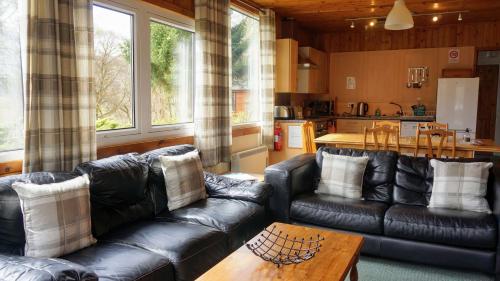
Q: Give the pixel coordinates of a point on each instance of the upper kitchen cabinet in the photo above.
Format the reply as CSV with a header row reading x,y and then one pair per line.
x,y
312,71
287,55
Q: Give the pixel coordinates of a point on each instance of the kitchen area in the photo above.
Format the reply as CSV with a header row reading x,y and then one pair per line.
x,y
346,92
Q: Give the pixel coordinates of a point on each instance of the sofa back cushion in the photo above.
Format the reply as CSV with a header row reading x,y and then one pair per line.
x,y
156,182
12,238
118,191
379,174
415,178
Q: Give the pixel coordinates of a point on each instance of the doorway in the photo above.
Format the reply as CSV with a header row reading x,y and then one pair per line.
x,y
488,71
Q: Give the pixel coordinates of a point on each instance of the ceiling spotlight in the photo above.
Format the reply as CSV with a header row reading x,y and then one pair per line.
x,y
352,24
460,17
435,18
373,22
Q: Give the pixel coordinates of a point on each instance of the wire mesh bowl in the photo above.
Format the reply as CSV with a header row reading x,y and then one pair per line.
x,y
276,247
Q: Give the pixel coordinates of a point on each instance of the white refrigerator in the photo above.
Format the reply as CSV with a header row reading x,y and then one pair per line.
x,y
457,100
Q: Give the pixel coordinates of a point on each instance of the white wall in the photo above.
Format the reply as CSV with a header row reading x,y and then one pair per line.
x,y
483,59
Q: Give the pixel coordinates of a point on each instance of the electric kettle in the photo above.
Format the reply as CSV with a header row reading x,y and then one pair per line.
x,y
362,109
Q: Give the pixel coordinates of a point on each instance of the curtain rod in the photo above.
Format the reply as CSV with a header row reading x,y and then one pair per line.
x,y
250,5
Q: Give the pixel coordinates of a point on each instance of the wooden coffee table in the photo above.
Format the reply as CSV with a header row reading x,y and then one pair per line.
x,y
338,256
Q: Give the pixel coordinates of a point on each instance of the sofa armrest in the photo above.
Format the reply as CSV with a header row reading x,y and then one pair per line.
x,y
289,178
224,187
41,269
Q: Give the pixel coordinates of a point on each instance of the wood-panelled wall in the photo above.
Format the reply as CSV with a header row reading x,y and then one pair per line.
x,y
481,35
185,7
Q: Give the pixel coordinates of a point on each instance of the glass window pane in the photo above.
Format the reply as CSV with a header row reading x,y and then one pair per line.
x,y
245,59
113,69
11,81
171,75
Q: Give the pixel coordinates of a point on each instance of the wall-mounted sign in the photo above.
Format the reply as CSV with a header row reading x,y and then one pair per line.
x,y
350,83
453,55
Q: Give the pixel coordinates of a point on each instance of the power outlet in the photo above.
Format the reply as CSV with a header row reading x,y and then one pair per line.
x,y
350,105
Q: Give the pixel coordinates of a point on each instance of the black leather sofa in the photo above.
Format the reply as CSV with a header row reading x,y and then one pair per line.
x,y
138,238
393,216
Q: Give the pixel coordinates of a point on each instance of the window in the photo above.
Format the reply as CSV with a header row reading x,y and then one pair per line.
x,y
144,72
245,59
113,69
11,78
171,52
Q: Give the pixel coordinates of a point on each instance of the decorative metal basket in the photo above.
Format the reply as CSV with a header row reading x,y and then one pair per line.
x,y
276,247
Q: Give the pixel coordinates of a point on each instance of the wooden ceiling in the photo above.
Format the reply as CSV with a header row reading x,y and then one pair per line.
x,y
331,15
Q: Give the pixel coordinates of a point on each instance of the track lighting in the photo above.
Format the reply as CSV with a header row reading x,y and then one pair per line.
x,y
460,17
352,24
435,18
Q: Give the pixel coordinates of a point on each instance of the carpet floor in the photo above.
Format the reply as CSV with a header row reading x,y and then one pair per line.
x,y
376,269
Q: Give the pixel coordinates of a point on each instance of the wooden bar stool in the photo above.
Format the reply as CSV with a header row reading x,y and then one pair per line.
x,y
308,143
438,133
385,133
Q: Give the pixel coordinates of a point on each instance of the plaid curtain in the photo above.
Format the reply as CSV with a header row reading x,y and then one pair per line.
x,y
212,133
60,101
268,62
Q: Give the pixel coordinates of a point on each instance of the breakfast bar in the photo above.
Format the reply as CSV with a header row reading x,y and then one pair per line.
x,y
408,144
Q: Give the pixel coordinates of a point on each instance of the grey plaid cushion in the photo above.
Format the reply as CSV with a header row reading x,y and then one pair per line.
x,y
184,179
460,186
56,217
342,175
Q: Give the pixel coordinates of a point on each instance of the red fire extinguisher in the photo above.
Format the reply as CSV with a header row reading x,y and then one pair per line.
x,y
278,138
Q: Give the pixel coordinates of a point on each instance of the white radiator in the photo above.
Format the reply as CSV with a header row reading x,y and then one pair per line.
x,y
252,161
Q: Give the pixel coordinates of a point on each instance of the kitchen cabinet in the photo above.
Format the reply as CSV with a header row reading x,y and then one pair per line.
x,y
312,79
353,126
287,55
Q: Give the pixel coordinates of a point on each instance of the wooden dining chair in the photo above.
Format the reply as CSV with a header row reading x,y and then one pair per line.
x,y
387,123
432,126
443,136
385,133
308,143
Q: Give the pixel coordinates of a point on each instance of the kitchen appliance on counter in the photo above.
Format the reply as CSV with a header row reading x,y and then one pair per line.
x,y
283,112
457,102
322,108
361,109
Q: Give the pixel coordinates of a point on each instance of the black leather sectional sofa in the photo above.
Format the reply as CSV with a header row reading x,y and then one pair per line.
x,y
138,238
393,216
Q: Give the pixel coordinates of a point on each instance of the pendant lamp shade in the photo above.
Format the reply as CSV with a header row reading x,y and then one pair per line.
x,y
399,17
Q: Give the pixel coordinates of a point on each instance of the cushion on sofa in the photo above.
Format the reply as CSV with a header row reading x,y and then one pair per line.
x,y
339,213
56,217
442,226
229,188
156,181
379,174
184,179
118,191
119,262
240,220
12,236
192,248
46,269
414,180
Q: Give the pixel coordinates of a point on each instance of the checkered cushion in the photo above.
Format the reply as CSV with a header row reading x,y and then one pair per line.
x,y
460,186
184,179
342,175
56,217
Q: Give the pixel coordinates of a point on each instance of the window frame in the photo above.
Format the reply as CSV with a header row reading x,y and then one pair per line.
x,y
143,131
250,124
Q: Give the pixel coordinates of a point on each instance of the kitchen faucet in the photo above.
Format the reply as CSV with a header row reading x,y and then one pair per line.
x,y
401,112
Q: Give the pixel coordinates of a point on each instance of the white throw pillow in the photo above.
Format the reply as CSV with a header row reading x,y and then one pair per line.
x,y
184,179
342,175
56,217
460,186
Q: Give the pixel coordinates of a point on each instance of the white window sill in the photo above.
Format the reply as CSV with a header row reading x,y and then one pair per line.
x,y
14,155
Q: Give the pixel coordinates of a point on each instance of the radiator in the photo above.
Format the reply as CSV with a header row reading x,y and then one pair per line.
x,y
252,161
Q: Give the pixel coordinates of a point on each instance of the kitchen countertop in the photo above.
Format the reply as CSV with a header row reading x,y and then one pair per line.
x,y
368,117
390,117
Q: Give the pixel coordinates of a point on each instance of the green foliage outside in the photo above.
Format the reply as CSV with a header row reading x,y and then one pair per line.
x,y
239,48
